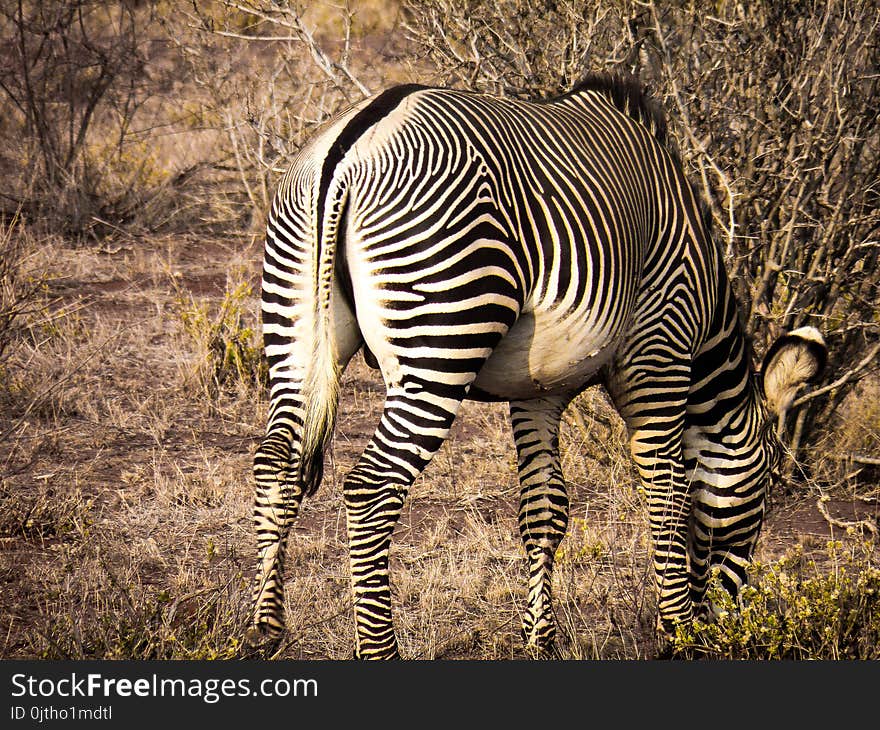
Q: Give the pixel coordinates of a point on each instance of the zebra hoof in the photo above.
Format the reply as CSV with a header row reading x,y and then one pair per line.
x,y
542,652
261,640
666,632
540,643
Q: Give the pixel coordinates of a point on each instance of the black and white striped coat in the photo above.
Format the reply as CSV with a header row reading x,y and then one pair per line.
x,y
489,248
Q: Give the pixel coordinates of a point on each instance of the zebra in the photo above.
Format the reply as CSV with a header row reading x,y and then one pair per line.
x,y
496,249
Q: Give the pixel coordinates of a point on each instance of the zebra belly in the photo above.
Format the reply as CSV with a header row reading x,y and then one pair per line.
x,y
545,355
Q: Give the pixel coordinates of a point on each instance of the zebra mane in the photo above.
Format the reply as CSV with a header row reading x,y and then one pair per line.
x,y
629,95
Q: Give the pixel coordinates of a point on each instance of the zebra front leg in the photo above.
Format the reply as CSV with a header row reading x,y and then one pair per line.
x,y
699,546
724,532
277,500
543,510
652,401
662,474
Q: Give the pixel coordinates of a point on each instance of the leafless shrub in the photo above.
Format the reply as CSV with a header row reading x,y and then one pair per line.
x,y
65,65
775,100
266,80
21,289
518,48
773,104
88,141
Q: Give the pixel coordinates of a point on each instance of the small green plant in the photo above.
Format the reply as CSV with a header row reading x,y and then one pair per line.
x,y
228,349
131,620
43,514
794,609
579,545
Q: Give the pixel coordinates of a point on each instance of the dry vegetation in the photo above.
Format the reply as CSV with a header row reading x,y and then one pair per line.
x,y
138,159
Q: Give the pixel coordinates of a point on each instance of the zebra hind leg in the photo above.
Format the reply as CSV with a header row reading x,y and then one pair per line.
x,y
276,505
543,511
412,428
699,549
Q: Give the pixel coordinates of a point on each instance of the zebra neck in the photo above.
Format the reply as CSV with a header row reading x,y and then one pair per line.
x,y
724,408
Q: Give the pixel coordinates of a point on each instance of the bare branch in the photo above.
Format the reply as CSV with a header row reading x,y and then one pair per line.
x,y
287,17
868,523
851,375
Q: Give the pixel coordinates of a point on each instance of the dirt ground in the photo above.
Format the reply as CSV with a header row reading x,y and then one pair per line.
x,y
125,494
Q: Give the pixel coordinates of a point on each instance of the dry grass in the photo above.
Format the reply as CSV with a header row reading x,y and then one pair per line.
x,y
125,480
119,487
126,491
126,495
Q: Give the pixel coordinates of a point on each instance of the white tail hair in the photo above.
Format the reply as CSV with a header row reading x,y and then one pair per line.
x,y
321,386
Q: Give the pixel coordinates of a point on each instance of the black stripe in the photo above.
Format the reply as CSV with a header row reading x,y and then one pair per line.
x,y
378,109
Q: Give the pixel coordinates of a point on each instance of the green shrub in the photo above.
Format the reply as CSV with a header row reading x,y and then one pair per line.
x,y
580,545
228,350
133,621
43,513
794,609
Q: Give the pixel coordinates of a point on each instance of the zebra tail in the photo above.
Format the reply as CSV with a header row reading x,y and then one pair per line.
x,y
321,386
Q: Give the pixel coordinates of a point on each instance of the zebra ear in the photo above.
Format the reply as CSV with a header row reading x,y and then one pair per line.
x,y
794,359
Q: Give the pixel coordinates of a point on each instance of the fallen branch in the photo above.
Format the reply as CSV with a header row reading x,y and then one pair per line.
x,y
868,523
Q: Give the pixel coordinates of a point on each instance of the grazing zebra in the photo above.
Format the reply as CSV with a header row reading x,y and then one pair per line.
x,y
487,248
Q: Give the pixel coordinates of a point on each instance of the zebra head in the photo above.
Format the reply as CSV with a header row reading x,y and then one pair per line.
x,y
737,463
793,360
